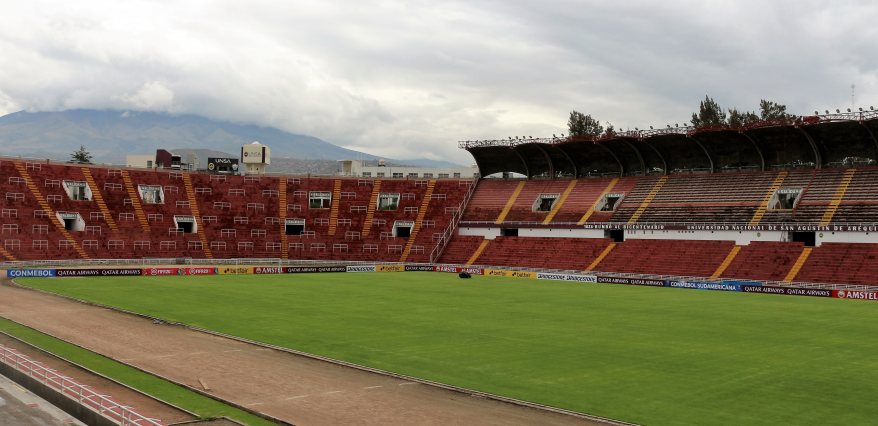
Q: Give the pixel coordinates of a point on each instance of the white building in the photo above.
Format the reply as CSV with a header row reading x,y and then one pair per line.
x,y
357,169
255,157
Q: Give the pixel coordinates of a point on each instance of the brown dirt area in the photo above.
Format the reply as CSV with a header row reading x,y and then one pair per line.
x,y
297,389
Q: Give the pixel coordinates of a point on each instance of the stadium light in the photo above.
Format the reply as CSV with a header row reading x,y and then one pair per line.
x,y
816,113
636,129
849,110
650,127
837,111
827,111
676,125
562,135
871,108
861,109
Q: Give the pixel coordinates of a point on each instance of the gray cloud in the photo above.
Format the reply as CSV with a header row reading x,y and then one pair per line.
x,y
408,79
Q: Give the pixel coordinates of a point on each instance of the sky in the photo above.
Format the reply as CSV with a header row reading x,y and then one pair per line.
x,y
410,79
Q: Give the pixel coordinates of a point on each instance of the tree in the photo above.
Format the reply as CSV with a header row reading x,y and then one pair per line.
x,y
742,117
580,124
611,131
709,113
772,110
81,156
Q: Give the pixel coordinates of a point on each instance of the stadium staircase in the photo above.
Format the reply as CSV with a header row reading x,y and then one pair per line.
x,y
422,211
193,206
596,200
648,199
728,261
560,202
510,202
478,252
839,195
601,257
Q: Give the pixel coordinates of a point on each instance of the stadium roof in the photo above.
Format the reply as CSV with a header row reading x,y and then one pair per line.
x,y
820,141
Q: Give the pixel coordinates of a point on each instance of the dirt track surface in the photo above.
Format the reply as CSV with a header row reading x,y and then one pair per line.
x,y
297,389
143,404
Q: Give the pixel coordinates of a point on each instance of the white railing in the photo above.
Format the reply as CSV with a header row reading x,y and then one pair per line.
x,y
452,225
101,404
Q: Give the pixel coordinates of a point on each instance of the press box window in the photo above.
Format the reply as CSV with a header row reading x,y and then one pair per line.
x,y
367,174
151,194
79,191
397,175
294,226
443,175
380,174
402,229
320,200
72,221
388,201
784,199
413,175
186,224
609,202
545,202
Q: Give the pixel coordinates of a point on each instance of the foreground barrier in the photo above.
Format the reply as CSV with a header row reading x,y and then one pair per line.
x,y
736,286
107,410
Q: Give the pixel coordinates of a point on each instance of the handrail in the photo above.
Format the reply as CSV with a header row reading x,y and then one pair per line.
x,y
455,219
654,225
101,404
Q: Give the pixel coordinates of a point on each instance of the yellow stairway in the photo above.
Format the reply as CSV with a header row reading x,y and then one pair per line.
x,y
193,205
648,199
417,228
778,181
836,199
560,202
48,209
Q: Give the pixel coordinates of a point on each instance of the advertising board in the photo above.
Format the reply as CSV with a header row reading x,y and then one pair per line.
x,y
631,281
268,270
200,271
422,268
162,271
313,269
859,295
514,274
231,270
456,270
18,273
390,268
361,268
113,272
789,291
704,286
565,277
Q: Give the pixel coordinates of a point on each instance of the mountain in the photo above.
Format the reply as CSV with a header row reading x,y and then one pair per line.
x,y
111,135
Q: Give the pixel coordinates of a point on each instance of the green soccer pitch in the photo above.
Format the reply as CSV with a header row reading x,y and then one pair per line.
x,y
654,356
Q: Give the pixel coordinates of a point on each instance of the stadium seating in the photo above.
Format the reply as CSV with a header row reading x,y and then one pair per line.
x,y
663,257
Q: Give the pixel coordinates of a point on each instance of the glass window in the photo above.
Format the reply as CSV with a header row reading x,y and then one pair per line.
x,y
397,175
413,175
367,174
380,174
443,175
457,175
428,175
148,164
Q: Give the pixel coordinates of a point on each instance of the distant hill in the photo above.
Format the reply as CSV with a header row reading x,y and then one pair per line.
x,y
111,135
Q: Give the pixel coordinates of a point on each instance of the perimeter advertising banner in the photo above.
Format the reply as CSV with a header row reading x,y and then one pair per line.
x,y
456,270
514,274
390,268
704,286
231,270
200,271
17,273
268,270
361,268
631,281
859,295
422,268
313,269
565,277
162,271
115,272
787,291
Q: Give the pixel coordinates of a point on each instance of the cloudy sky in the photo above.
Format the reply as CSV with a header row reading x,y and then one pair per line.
x,y
410,79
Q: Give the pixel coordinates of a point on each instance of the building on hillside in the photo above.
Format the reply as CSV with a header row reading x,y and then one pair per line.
x,y
163,159
356,168
255,157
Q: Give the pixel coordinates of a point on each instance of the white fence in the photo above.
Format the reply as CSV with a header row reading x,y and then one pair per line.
x,y
88,398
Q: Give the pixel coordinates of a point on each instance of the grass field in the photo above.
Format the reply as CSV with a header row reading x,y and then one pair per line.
x,y
654,356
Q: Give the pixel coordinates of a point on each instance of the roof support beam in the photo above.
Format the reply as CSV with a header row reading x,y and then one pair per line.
x,y
706,153
755,145
639,156
572,164
817,157
548,160
661,157
526,168
870,134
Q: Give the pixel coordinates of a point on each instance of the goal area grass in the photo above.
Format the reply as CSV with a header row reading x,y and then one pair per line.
x,y
653,356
